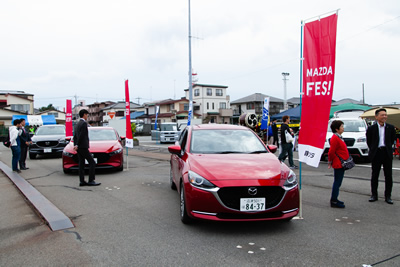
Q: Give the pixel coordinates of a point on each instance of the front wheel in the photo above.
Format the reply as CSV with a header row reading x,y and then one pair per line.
x,y
184,216
32,155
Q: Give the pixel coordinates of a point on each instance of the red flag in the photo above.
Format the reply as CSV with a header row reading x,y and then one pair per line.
x,y
317,88
129,137
68,119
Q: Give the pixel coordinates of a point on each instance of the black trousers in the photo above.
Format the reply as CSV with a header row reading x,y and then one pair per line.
x,y
382,158
22,159
83,153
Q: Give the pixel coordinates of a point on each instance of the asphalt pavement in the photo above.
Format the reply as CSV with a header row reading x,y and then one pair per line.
x,y
24,233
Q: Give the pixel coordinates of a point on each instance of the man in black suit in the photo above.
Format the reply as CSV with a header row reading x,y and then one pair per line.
x,y
25,143
380,139
81,145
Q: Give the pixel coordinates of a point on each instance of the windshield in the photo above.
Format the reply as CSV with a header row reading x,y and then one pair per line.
x,y
50,130
225,141
351,126
102,135
168,127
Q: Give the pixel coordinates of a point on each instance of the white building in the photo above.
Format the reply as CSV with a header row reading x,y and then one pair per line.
x,y
212,102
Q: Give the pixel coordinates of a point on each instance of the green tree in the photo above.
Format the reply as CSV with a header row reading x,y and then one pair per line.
x,y
49,107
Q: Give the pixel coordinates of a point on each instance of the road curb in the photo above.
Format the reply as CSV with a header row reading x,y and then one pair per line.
x,y
55,218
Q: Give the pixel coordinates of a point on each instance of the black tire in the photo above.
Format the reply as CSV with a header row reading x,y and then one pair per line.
x,y
32,155
171,181
120,169
67,171
184,216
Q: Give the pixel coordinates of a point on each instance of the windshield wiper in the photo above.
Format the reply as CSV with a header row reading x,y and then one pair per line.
x,y
259,151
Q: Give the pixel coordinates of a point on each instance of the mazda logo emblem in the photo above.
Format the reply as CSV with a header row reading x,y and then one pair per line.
x,y
252,191
47,143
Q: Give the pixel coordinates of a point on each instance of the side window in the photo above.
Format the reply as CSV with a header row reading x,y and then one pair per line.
x,y
183,139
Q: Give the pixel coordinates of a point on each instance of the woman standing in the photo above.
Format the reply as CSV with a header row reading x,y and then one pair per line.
x,y
337,149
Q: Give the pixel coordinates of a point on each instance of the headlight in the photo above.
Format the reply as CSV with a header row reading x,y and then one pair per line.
x,y
118,151
65,153
62,141
361,140
291,181
198,181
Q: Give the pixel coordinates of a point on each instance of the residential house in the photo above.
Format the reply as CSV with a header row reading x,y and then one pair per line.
x,y
254,104
78,107
14,103
116,111
211,102
96,112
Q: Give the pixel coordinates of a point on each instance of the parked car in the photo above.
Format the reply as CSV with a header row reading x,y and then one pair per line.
x,y
49,140
167,132
354,136
226,173
105,146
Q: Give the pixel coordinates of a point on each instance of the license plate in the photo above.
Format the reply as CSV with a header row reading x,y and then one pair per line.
x,y
252,204
47,150
95,160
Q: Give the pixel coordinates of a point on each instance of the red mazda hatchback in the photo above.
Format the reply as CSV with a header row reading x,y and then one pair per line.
x,y
105,146
226,173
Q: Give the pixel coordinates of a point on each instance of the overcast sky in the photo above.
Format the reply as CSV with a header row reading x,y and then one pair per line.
x,y
60,49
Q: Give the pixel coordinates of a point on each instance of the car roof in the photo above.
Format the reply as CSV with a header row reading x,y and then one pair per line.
x,y
212,126
100,128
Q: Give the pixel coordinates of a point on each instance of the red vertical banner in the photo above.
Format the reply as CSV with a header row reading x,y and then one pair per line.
x,y
68,118
129,136
317,87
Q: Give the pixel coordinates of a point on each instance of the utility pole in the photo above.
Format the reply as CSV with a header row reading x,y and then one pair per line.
x,y
190,112
285,74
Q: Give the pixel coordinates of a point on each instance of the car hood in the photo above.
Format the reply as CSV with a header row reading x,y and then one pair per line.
x,y
97,146
236,166
38,138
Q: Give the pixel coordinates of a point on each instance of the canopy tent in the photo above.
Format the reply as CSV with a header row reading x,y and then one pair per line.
x,y
347,107
393,115
293,113
37,120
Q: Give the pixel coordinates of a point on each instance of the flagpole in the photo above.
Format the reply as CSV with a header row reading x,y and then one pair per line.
x,y
301,94
190,113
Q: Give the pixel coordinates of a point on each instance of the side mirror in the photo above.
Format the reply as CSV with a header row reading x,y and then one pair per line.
x,y
122,137
68,138
176,149
272,148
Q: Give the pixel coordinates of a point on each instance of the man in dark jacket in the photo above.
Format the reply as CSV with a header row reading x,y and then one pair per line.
x,y
26,141
380,139
287,147
81,145
275,133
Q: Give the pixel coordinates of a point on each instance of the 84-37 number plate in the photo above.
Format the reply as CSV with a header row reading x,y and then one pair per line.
x,y
252,204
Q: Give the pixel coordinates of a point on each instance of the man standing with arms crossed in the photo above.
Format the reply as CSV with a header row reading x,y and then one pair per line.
x,y
380,139
81,145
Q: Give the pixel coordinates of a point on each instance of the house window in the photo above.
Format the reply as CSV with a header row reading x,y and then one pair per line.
x,y
209,91
196,92
186,106
20,107
208,106
55,114
218,92
222,105
120,113
250,106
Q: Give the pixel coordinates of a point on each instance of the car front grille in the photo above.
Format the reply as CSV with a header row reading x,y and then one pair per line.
x,y
101,157
349,141
231,196
47,143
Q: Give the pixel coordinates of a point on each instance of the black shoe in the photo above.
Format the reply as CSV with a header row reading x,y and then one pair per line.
x,y
93,183
373,198
337,204
388,200
294,167
24,168
83,184
17,171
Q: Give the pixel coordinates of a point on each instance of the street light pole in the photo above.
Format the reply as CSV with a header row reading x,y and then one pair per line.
x,y
285,74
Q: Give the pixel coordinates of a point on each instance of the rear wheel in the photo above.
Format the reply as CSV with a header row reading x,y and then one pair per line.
x,y
184,216
67,171
171,180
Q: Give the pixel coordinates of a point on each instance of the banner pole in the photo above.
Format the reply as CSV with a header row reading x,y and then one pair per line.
x,y
301,94
127,161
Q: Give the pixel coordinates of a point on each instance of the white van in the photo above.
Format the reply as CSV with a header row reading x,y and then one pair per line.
x,y
354,136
